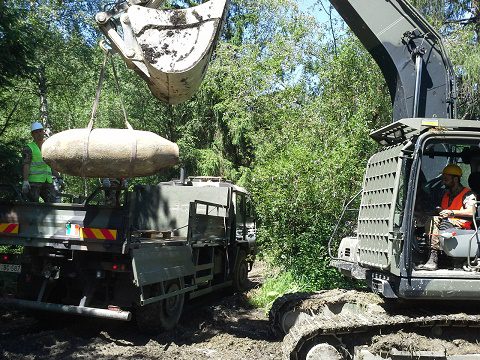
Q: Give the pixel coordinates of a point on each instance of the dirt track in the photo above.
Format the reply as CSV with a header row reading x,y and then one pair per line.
x,y
213,327
216,327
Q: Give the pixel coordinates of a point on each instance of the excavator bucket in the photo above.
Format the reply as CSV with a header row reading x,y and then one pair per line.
x,y
169,49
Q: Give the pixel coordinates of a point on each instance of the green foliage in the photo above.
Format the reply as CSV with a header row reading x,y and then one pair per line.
x,y
16,43
459,23
10,166
314,164
254,82
466,56
274,287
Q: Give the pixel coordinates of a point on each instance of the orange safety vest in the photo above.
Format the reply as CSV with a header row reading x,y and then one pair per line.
x,y
457,204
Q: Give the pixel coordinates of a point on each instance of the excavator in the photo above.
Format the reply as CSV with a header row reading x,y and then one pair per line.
x,y
402,185
402,188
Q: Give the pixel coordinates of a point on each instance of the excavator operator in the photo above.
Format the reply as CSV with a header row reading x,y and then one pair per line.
x,y
457,208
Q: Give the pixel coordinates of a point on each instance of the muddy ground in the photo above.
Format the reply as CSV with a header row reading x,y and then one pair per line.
x,y
216,327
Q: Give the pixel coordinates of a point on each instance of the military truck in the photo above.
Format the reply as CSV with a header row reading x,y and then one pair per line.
x,y
140,256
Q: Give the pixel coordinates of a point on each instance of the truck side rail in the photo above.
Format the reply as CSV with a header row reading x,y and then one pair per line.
x,y
63,226
208,222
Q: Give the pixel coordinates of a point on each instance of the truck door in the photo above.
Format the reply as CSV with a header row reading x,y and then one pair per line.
x,y
240,217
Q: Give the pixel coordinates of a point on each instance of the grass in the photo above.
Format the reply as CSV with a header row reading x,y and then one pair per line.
x,y
275,285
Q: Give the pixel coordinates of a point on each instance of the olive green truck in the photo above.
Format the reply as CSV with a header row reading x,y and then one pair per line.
x,y
157,246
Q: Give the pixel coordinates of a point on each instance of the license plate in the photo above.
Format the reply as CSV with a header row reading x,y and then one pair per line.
x,y
72,230
12,268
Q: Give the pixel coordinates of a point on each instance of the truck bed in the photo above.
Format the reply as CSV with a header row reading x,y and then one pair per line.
x,y
71,226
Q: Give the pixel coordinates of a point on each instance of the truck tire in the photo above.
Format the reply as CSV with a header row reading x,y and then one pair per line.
x,y
164,314
240,272
28,289
171,308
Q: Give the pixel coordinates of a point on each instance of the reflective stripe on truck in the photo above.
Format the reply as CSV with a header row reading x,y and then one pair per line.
x,y
101,234
9,228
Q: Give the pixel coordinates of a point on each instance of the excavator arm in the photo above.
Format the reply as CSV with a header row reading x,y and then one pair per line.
x,y
169,48
409,52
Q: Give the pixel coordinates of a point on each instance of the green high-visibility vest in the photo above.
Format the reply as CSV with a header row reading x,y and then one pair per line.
x,y
39,171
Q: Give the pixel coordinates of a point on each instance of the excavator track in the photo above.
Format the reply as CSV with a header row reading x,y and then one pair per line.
x,y
331,316
289,308
284,304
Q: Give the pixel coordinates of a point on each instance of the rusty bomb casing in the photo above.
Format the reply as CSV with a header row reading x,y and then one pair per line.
x,y
107,152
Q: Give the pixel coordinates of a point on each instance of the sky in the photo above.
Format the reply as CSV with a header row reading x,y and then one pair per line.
x,y
308,5
313,7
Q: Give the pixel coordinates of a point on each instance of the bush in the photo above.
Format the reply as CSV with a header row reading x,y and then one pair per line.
x,y
11,164
274,287
311,165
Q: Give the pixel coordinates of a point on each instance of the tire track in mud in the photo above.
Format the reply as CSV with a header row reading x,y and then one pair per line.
x,y
217,326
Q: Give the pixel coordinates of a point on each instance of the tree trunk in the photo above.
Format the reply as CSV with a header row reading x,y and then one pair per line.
x,y
42,92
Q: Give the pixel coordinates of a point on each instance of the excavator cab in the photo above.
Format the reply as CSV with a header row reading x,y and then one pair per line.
x,y
169,48
459,246
402,191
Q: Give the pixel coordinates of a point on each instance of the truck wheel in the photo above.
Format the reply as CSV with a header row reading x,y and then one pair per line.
x,y
164,314
240,272
171,308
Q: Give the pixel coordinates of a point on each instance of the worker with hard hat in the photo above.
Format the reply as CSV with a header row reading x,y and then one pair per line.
x,y
37,175
457,210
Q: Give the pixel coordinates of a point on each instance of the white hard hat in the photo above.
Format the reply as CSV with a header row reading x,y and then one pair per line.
x,y
36,126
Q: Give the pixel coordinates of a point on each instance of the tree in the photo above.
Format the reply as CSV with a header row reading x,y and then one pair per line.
x,y
17,40
309,169
459,23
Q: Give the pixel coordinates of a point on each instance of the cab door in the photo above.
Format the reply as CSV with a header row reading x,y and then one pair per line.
x,y
240,217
